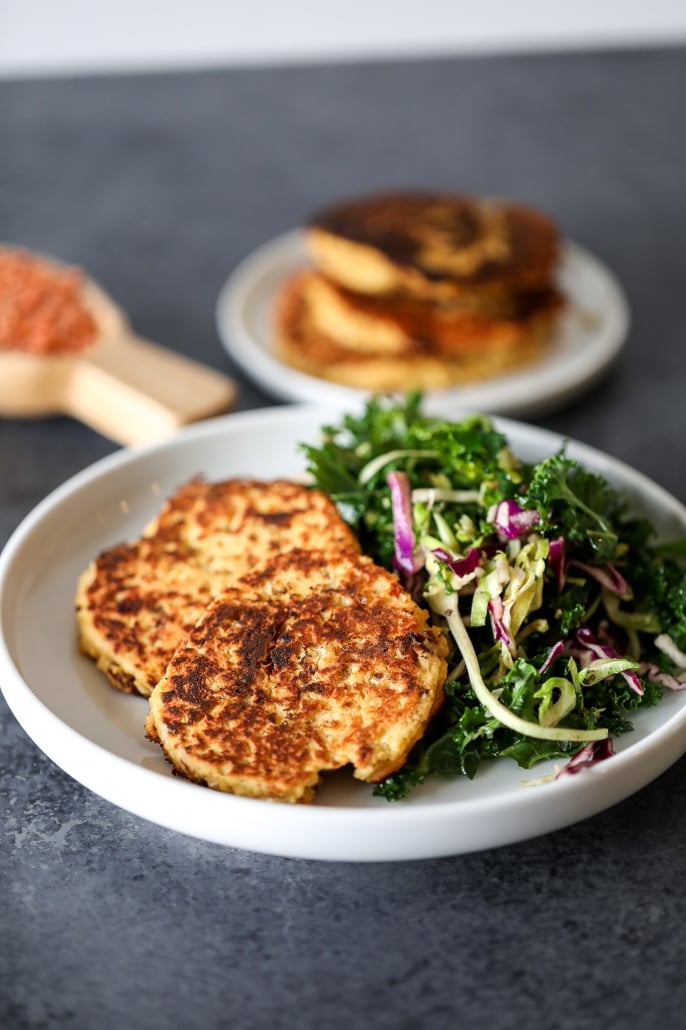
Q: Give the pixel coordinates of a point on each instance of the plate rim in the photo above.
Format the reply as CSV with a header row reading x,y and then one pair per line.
x,y
30,710
286,252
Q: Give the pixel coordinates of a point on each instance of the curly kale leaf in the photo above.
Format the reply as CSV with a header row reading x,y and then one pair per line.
x,y
660,586
579,505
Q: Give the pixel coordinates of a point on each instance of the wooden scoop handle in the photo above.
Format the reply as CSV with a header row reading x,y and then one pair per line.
x,y
129,389
134,391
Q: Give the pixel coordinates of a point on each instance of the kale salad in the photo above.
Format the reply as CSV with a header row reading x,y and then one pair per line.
x,y
563,613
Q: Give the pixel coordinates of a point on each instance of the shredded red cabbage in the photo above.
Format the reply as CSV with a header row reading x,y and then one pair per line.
x,y
496,610
463,565
653,672
555,651
596,751
590,646
407,558
607,575
557,561
511,521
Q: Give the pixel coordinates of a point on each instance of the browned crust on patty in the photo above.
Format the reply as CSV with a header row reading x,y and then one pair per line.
x,y
311,663
438,245
136,601
134,604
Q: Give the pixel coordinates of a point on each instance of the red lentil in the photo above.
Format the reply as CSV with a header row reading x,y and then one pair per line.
x,y
40,308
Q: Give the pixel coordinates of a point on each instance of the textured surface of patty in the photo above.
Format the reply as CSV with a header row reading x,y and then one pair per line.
x,y
312,663
434,246
234,525
133,606
382,345
136,601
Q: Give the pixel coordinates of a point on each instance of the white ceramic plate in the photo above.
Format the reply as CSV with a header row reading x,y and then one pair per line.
x,y
589,338
96,734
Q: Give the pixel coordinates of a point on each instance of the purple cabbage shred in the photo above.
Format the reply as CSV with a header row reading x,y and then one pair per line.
x,y
511,520
407,559
595,751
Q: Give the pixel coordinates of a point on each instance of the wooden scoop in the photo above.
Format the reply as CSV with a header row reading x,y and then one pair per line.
x,y
126,388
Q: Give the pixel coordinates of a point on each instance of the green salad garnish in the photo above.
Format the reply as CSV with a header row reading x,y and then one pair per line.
x,y
563,613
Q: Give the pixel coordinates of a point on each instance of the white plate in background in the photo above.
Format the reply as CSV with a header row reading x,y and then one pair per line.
x,y
96,735
590,336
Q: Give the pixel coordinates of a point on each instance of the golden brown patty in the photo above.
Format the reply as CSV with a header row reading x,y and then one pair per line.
x,y
136,601
386,345
434,246
313,663
235,525
134,604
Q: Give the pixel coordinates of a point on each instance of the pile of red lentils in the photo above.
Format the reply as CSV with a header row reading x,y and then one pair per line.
x,y
40,307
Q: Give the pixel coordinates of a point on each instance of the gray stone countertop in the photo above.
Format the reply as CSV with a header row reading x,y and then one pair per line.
x,y
159,185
